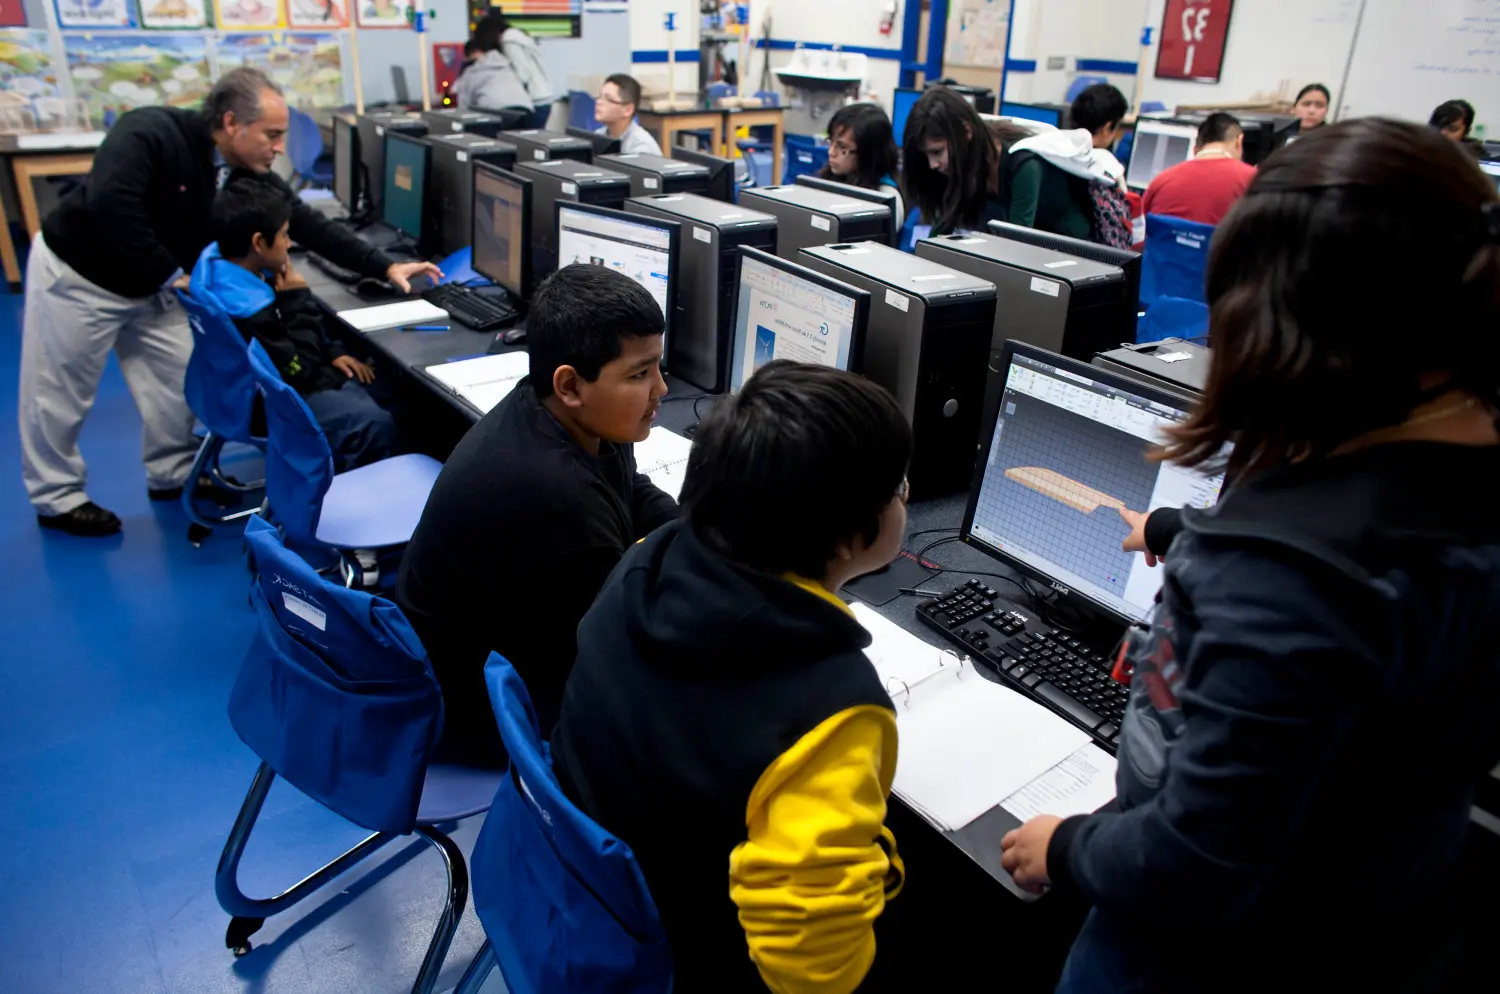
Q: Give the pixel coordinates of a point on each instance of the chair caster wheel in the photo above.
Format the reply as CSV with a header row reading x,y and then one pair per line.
x,y
197,533
237,936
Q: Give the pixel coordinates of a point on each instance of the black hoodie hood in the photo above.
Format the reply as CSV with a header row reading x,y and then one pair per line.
x,y
682,603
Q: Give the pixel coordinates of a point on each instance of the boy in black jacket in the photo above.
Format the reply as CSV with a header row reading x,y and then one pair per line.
x,y
246,274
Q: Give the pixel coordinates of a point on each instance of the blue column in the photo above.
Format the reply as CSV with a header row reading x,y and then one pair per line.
x,y
911,26
937,38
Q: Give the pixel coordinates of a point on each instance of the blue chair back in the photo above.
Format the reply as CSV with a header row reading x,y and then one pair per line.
x,y
299,463
1172,317
804,156
581,110
562,901
1175,259
219,384
1080,84
304,142
768,98
335,692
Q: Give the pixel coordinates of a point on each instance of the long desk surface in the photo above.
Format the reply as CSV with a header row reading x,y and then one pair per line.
x,y
977,843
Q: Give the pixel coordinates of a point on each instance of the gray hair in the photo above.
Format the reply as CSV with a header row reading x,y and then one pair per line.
x,y
238,91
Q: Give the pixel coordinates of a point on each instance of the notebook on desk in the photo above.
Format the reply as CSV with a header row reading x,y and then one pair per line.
x,y
482,381
663,456
968,744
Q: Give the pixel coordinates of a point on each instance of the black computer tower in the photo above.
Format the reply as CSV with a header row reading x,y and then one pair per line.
x,y
652,174
535,145
452,121
372,128
452,181
1178,365
928,343
1058,302
707,278
564,179
806,216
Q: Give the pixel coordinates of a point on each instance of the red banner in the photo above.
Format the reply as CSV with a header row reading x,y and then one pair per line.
x,y
1192,39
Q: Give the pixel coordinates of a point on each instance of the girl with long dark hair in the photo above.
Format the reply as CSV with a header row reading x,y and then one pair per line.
x,y
861,149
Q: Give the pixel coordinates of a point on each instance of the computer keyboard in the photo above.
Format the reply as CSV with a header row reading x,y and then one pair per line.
x,y
1047,664
468,307
332,269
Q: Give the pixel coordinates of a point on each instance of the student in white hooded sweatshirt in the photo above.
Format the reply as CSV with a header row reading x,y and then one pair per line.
x,y
491,83
526,59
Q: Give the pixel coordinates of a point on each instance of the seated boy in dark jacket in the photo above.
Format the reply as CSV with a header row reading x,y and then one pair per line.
x,y
246,274
722,715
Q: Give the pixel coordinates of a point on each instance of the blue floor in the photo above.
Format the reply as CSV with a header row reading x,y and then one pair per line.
x,y
120,774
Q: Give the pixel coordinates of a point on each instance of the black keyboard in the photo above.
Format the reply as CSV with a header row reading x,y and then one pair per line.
x,y
1046,664
332,269
471,308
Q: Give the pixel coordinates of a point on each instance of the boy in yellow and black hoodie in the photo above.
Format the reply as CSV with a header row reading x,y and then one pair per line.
x,y
722,718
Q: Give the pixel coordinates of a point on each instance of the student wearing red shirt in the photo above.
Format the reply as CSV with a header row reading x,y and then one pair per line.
x,y
1204,187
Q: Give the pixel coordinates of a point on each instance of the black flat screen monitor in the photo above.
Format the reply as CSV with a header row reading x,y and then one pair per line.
x,y
643,248
1065,446
346,165
720,171
786,311
404,204
502,228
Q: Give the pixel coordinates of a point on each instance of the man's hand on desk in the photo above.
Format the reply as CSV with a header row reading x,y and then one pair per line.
x,y
401,273
354,369
1024,853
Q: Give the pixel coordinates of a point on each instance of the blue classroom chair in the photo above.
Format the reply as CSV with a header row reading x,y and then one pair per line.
x,y
304,146
372,507
220,390
1175,259
563,903
1173,317
337,697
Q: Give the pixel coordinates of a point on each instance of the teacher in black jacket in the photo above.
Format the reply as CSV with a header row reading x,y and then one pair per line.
x,y
101,273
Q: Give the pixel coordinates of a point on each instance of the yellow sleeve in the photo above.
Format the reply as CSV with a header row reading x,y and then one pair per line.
x,y
818,863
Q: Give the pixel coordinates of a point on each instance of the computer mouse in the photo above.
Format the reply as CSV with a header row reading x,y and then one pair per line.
x,y
372,287
516,336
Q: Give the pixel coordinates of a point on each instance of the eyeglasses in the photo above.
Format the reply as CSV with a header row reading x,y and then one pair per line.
x,y
610,100
842,148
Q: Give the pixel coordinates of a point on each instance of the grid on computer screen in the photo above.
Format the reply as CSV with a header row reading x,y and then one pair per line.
x,y
1040,435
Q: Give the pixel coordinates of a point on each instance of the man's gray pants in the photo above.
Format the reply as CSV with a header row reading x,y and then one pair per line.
x,y
69,327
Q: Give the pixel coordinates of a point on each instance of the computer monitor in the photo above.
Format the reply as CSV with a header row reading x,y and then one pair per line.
x,y
1492,170
901,105
787,311
1157,146
720,171
502,228
346,163
1127,259
1064,447
643,248
404,205
603,144
1045,113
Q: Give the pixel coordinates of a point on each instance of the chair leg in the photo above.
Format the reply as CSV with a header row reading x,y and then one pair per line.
x,y
206,463
250,913
479,970
453,908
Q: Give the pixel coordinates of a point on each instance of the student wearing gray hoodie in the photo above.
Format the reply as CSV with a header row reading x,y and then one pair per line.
x,y
492,83
526,59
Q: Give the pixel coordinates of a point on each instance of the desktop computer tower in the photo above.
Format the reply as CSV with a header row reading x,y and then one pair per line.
x,y
564,179
651,174
1058,302
707,276
928,343
452,170
535,145
372,128
806,216
450,120
1172,364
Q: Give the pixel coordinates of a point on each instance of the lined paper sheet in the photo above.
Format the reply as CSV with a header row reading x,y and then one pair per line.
x,y
391,315
482,381
1079,785
663,456
966,743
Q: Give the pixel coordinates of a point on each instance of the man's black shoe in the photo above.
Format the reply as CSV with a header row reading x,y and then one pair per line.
x,y
86,520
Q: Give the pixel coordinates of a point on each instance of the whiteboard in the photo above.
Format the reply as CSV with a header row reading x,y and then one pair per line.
x,y
1411,55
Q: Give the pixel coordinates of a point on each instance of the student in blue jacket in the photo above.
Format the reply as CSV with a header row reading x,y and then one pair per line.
x,y
1319,689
